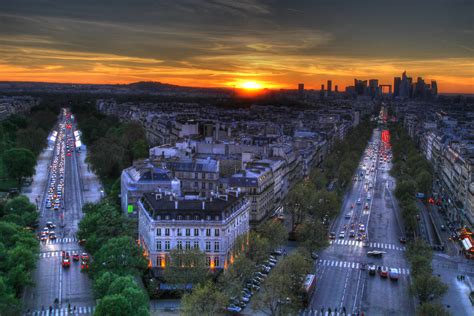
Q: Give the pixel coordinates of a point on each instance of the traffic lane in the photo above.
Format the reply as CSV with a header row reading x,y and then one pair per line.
x,y
76,286
386,297
330,287
45,290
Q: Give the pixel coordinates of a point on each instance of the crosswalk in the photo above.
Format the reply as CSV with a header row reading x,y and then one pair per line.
x,y
66,240
355,243
354,265
314,312
49,254
81,310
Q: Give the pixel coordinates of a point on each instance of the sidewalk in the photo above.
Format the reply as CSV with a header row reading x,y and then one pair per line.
x,y
91,186
35,191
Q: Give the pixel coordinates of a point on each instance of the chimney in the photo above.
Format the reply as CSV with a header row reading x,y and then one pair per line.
x,y
203,205
175,205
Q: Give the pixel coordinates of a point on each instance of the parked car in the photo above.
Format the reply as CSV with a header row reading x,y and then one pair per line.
x,y
372,269
383,271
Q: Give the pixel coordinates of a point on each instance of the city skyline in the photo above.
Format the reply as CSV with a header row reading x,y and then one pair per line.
x,y
251,43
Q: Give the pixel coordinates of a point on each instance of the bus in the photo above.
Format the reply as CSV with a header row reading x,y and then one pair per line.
x,y
309,286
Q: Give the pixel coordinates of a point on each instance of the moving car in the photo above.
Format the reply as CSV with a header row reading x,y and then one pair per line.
x,y
352,233
342,234
375,253
50,225
332,235
358,202
403,240
393,274
383,271
372,269
361,227
84,265
66,261
75,257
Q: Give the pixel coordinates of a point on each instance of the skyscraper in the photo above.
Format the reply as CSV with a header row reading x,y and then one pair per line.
x,y
373,87
404,86
434,88
329,86
336,89
300,87
360,87
396,86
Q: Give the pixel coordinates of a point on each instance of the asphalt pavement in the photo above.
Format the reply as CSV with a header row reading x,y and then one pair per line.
x,y
69,287
343,282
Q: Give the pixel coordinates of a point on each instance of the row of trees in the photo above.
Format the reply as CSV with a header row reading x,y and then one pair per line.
x,y
22,137
210,295
317,199
427,287
112,145
18,251
412,172
117,260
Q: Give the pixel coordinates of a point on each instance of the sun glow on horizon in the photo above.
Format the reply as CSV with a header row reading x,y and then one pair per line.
x,y
250,85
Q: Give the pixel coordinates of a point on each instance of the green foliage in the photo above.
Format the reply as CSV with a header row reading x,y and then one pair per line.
x,y
120,255
426,287
186,266
119,305
18,255
20,211
431,309
205,299
19,163
274,231
312,235
233,279
101,222
281,292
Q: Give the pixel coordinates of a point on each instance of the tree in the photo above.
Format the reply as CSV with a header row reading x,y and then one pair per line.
x,y
31,138
428,287
258,247
327,203
281,291
274,231
19,163
300,201
20,211
120,255
186,266
115,305
420,265
432,309
140,149
233,279
405,188
312,235
424,181
8,303
205,299
107,158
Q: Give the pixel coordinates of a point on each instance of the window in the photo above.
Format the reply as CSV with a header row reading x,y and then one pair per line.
x,y
216,262
196,232
167,245
196,244
211,186
167,231
216,232
216,246
158,245
208,246
203,185
178,232
208,261
179,245
196,217
158,232
208,232
188,232
188,244
196,185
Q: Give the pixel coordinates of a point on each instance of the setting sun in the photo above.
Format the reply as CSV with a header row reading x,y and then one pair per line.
x,y
252,85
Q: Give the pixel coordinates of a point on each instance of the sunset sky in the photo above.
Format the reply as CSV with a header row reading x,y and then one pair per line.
x,y
221,43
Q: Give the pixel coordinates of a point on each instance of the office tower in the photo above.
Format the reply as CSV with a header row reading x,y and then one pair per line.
x,y
336,89
360,87
373,87
300,87
396,86
322,87
420,88
404,86
434,88
329,86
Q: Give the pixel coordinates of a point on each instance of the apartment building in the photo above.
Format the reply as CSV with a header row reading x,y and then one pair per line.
x,y
211,225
